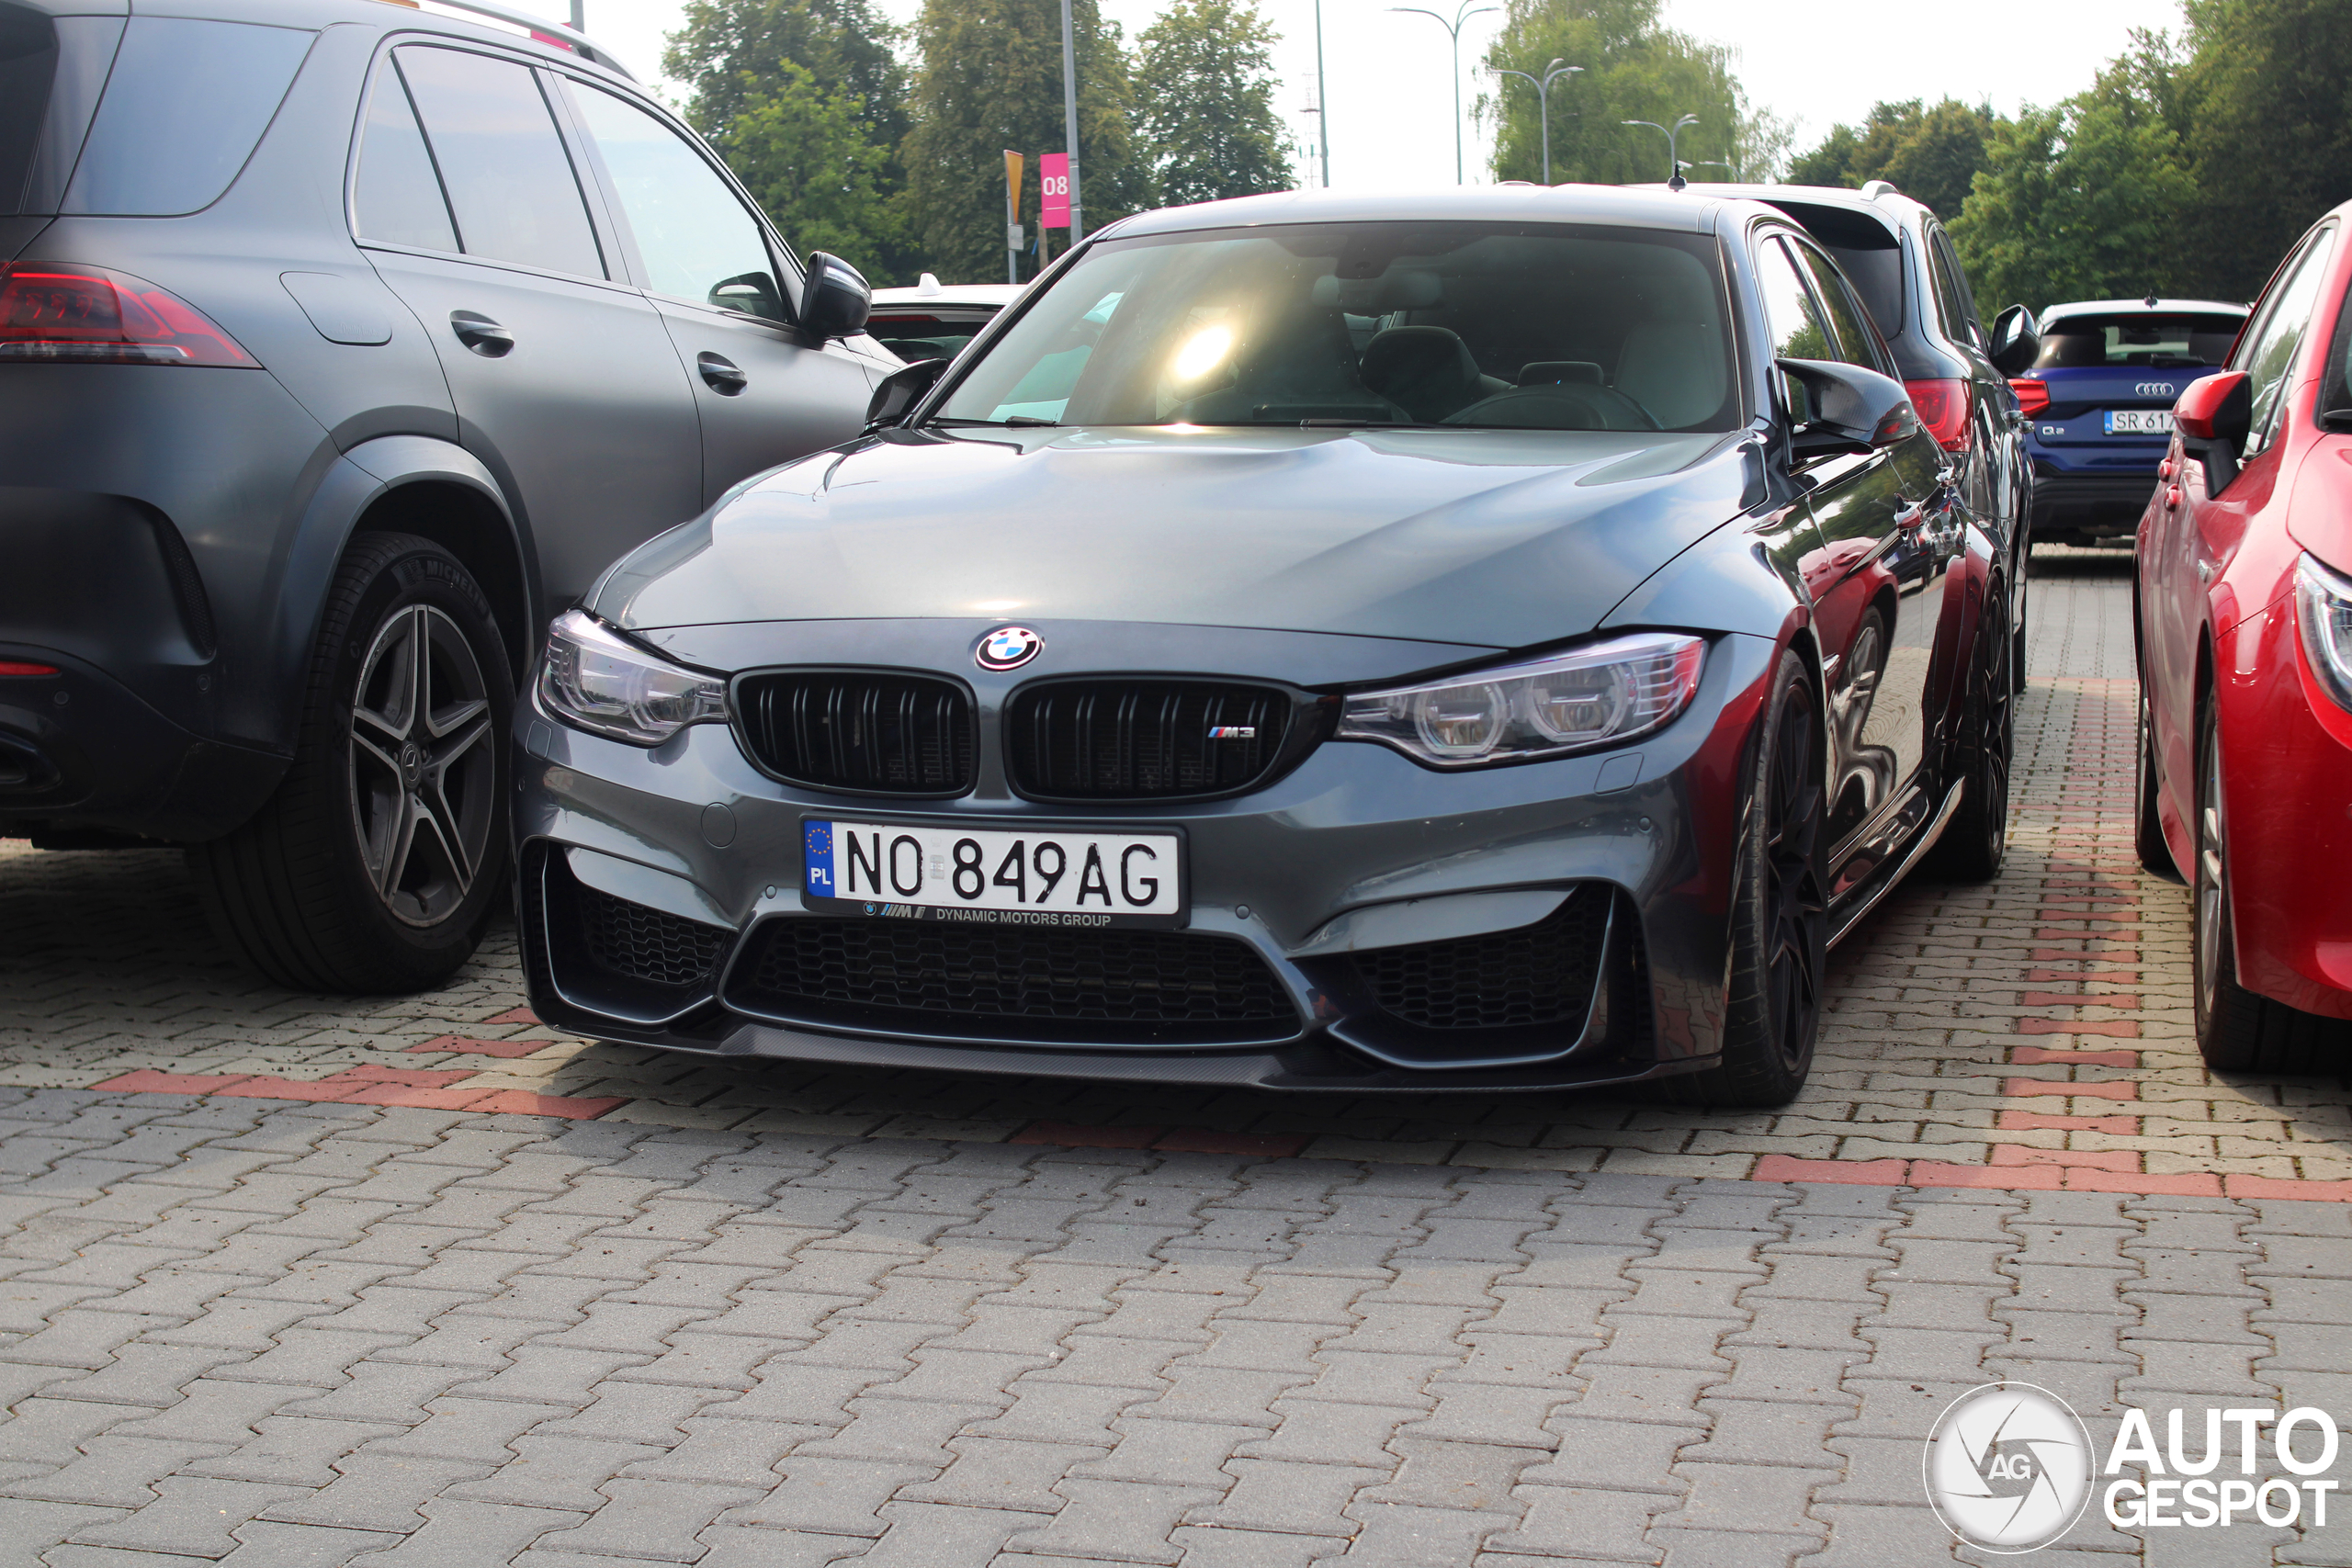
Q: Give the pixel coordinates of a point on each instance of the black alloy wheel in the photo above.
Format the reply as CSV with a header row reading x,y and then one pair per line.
x,y
1976,841
422,773
375,865
1781,920
2236,1030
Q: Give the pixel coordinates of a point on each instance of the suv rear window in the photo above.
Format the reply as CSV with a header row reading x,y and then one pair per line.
x,y
185,106
2137,337
50,71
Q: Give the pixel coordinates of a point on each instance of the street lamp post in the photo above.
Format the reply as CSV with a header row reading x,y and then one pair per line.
x,y
1069,122
1731,169
1322,103
1674,180
1453,30
1542,101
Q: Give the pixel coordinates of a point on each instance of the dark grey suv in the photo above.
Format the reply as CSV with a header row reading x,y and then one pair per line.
x,y
341,344
1902,262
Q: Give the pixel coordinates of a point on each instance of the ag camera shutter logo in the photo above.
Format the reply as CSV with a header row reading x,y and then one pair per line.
x,y
2008,1467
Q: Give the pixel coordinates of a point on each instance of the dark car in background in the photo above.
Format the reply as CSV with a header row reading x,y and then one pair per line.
x,y
1902,262
1492,639
2097,405
930,320
341,343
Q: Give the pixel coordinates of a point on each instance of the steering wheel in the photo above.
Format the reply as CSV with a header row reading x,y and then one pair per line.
x,y
1560,406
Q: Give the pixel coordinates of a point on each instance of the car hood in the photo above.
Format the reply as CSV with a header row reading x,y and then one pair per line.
x,y
1494,538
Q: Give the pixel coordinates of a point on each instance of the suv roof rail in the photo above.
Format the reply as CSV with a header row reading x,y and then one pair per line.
x,y
1876,189
588,49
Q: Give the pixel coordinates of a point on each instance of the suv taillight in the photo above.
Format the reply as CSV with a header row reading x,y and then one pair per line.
x,y
89,315
2033,395
1943,409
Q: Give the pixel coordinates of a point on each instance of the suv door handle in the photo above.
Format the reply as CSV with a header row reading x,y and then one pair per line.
x,y
481,333
725,378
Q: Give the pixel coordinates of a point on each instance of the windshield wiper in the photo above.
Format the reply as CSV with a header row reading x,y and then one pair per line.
x,y
1364,425
1014,422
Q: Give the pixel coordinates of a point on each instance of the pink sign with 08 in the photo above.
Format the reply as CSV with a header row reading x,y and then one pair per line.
x,y
1053,181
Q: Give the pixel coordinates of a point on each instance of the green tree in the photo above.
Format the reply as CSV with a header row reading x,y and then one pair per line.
x,y
1932,155
729,52
804,155
2078,202
991,79
1634,69
2266,96
1204,91
806,100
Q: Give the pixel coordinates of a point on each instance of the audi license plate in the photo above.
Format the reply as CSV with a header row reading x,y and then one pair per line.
x,y
2139,422
984,877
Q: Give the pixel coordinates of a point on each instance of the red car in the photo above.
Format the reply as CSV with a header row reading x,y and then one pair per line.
x,y
2244,616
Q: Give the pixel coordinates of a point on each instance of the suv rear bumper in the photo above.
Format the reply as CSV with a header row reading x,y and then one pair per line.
x,y
79,750
2098,504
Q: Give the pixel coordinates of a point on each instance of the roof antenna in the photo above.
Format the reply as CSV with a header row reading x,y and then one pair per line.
x,y
2150,301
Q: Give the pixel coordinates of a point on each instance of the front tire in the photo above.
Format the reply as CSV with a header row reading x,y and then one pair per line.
x,y
1780,922
2236,1030
375,866
1976,839
2148,824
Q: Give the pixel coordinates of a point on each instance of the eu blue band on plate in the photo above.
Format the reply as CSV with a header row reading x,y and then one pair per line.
x,y
816,861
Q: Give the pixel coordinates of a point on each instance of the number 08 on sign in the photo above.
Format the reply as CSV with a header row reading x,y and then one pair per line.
x,y
1048,878
1053,185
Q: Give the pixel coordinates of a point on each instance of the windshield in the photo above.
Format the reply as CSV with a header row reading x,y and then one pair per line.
x,y
1512,326
2075,342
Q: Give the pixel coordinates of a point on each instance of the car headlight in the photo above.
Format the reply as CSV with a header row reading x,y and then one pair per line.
x,y
2324,621
595,681
1601,694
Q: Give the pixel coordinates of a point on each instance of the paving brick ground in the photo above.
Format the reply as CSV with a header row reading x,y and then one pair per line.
x,y
287,1280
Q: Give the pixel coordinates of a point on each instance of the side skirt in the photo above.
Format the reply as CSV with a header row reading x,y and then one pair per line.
x,y
1864,899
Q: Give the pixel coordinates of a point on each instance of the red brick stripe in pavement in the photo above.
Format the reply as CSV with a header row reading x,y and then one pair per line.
x,y
465,1043
422,1089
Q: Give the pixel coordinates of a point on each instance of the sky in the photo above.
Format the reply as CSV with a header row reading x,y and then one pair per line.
x,y
1387,77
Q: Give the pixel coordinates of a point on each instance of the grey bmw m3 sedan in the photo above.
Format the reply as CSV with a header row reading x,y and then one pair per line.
x,y
1489,639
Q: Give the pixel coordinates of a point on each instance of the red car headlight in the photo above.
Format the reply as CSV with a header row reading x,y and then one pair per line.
x,y
2323,624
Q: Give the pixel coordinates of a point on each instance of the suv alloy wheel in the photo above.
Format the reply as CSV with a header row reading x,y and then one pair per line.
x,y
375,865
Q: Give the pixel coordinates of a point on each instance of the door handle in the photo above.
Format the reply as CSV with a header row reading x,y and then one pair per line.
x,y
725,378
481,333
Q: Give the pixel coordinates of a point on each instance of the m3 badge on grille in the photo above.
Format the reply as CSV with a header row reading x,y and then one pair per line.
x,y
1233,732
1008,648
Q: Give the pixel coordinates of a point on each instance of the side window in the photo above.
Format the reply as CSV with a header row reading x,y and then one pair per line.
x,y
1951,290
397,197
1790,318
697,240
511,185
2267,355
1850,331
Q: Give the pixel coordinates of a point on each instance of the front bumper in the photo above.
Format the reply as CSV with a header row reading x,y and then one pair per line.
x,y
1357,853
2286,755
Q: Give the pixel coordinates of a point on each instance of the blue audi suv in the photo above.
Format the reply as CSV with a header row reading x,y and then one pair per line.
x,y
2097,405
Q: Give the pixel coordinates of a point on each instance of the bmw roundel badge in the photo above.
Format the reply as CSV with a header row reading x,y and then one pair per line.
x,y
1008,648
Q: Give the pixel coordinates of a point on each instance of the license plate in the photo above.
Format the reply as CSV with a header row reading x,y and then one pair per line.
x,y
2139,422
984,877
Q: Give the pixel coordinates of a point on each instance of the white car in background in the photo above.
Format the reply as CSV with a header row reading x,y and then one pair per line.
x,y
933,320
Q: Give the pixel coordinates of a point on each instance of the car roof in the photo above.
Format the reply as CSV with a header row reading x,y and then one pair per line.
x,y
1888,205
1689,212
554,39
966,295
2144,307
